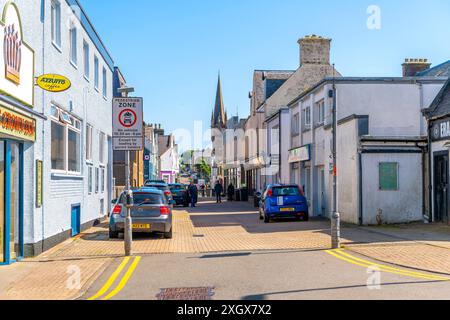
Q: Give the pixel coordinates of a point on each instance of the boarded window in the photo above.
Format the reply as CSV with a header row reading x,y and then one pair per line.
x,y
389,176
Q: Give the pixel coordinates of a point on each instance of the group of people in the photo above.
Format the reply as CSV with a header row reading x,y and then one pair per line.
x,y
218,190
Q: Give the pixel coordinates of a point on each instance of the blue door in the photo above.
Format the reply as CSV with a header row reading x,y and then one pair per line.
x,y
76,220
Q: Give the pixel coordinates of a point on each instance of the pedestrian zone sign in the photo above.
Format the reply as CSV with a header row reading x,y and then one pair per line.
x,y
128,124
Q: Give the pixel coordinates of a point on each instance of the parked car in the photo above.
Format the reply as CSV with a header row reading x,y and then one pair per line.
x,y
283,202
151,212
180,194
162,186
155,181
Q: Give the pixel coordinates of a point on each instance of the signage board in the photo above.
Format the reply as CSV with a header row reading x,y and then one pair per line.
x,y
39,183
17,125
440,130
53,83
16,58
128,124
300,154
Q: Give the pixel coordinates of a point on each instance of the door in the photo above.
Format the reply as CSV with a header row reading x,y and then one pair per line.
x,y
441,176
76,220
2,202
15,201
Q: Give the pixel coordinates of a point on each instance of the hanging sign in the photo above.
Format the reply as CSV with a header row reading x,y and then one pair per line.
x,y
53,83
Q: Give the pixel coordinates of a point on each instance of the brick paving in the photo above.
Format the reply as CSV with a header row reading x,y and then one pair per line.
x,y
229,227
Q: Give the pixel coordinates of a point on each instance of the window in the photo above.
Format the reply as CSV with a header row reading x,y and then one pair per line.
x,y
65,142
56,23
388,176
73,45
102,180
321,112
97,178
101,148
90,176
96,73
105,84
89,143
295,124
86,60
307,117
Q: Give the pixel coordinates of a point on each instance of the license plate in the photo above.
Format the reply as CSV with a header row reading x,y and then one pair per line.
x,y
141,226
287,209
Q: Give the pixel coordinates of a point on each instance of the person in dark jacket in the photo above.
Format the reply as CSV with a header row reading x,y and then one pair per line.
x,y
218,189
193,194
230,192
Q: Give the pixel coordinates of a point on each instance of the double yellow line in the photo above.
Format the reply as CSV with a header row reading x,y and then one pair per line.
x,y
113,278
340,254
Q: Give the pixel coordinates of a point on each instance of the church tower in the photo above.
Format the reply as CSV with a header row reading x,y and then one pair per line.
x,y
219,116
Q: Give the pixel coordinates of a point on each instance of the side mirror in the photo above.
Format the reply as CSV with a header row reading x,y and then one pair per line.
x,y
114,201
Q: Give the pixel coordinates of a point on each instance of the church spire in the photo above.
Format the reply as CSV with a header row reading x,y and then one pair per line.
x,y
219,117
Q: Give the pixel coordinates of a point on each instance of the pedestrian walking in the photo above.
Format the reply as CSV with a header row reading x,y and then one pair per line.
x,y
193,194
218,189
230,192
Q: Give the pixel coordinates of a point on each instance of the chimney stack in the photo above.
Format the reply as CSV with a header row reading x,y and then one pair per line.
x,y
413,66
314,50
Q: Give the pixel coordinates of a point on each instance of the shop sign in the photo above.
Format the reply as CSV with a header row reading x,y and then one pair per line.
x,y
441,130
39,183
300,154
53,83
16,58
17,125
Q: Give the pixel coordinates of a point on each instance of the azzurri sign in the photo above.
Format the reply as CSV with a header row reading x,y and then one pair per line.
x,y
440,130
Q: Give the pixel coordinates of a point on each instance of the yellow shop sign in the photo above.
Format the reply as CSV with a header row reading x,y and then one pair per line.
x,y
53,83
17,125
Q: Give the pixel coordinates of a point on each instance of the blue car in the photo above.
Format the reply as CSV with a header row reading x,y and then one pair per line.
x,y
283,202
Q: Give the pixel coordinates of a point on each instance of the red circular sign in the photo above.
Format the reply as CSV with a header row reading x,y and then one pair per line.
x,y
128,118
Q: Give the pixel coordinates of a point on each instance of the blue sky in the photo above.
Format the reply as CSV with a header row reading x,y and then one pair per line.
x,y
171,50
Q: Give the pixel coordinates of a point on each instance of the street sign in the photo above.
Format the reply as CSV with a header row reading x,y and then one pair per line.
x,y
128,124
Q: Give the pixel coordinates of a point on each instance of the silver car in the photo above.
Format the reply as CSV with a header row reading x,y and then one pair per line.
x,y
151,212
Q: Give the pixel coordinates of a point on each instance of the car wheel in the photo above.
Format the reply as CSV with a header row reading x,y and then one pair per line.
x,y
306,218
168,235
113,234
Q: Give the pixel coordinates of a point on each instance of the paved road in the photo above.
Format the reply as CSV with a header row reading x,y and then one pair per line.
x,y
263,274
267,275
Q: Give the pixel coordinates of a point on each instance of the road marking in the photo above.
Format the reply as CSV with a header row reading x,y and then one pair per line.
x,y
340,254
111,280
124,280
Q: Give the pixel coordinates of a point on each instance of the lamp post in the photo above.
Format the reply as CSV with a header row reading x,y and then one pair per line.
x,y
128,234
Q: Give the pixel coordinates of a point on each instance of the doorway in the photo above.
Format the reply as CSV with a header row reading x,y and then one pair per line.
x,y
76,220
11,201
441,179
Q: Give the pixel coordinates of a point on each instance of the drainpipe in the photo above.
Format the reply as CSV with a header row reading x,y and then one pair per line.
x,y
43,127
430,174
360,181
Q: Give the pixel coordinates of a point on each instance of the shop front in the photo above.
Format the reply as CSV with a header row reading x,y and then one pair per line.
x,y
17,130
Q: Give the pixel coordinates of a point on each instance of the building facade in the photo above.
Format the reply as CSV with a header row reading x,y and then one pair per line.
x,y
57,174
169,158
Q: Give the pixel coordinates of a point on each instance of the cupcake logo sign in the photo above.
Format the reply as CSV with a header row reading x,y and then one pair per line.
x,y
12,51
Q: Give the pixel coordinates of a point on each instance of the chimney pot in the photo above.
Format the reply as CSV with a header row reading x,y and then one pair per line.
x,y
412,67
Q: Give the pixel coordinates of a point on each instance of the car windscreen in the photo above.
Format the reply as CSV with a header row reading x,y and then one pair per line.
x,y
161,188
147,198
285,191
177,188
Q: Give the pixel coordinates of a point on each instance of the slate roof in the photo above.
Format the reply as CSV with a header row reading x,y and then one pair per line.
x,y
441,104
272,85
442,70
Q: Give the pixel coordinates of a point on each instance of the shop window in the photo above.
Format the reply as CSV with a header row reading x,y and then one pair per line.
x,y
388,177
56,23
65,142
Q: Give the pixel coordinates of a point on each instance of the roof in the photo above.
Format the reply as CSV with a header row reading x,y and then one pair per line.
x,y
442,70
367,80
89,27
441,104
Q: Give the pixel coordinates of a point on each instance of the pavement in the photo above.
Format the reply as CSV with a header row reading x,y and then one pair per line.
x,y
227,247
